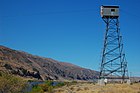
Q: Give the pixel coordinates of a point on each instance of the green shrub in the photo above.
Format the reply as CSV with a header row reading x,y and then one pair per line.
x,y
44,87
48,82
60,84
10,83
50,89
37,89
73,82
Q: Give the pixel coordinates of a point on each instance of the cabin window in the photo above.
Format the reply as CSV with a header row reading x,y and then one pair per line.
x,y
112,10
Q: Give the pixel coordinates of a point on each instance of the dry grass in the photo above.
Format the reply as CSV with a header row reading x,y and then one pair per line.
x,y
91,88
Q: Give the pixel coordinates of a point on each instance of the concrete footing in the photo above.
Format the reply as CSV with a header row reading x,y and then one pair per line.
x,y
129,81
101,82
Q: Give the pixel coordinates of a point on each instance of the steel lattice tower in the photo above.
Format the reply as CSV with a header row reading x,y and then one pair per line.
x,y
113,63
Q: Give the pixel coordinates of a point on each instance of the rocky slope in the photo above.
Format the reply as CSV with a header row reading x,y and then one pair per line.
x,y
27,65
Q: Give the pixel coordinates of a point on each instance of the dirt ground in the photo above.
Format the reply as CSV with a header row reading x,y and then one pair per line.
x,y
94,88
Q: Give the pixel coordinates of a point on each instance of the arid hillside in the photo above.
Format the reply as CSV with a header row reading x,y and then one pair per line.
x,y
27,65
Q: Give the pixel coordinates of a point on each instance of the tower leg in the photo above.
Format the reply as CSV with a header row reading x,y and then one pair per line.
x,y
113,64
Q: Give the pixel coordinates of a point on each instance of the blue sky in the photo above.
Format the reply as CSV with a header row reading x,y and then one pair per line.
x,y
68,30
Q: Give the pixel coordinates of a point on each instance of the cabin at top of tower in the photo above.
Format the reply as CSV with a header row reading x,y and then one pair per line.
x,y
109,11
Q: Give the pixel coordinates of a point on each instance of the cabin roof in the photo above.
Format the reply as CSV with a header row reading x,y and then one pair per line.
x,y
110,6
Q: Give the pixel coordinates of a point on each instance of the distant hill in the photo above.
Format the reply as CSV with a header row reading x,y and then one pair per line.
x,y
27,65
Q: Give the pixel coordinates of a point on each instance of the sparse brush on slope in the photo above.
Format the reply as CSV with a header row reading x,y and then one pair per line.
x,y
27,65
